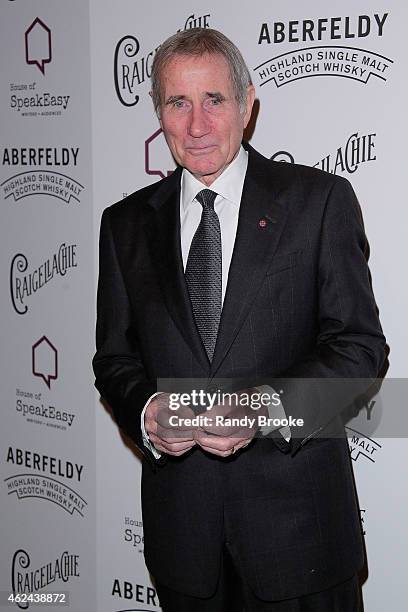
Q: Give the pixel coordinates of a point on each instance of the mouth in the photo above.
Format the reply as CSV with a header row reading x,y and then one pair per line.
x,y
200,150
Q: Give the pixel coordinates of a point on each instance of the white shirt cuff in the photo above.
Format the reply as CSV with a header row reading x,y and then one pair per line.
x,y
145,437
275,411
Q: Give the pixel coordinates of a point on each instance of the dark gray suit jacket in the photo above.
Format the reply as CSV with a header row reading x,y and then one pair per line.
x,y
298,305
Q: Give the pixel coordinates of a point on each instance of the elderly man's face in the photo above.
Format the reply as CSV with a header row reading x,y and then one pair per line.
x,y
200,116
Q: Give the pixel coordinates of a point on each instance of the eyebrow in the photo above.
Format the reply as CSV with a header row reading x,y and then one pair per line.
x,y
215,94
210,94
173,99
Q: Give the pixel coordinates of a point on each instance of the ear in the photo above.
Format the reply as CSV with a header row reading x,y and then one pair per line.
x,y
249,104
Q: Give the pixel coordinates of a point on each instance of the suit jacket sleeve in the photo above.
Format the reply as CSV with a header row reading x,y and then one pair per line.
x,y
350,346
120,375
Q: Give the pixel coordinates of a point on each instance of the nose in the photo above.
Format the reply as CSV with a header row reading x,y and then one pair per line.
x,y
199,124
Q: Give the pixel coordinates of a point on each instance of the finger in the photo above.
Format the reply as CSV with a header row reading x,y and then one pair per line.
x,y
174,434
230,432
218,453
173,453
228,452
174,420
171,444
163,427
220,444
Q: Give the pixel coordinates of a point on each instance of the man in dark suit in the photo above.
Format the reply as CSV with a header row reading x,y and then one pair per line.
x,y
237,268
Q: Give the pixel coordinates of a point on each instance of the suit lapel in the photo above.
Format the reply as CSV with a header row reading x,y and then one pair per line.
x,y
165,249
260,225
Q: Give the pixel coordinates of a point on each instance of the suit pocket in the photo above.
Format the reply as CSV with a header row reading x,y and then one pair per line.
x,y
284,262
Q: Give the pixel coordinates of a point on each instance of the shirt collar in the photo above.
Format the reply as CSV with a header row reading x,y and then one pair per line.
x,y
229,184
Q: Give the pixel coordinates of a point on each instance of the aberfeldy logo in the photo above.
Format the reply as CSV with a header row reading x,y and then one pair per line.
x,y
47,478
41,171
362,446
131,592
342,57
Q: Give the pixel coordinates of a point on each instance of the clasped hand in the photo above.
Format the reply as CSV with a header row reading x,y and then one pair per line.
x,y
175,432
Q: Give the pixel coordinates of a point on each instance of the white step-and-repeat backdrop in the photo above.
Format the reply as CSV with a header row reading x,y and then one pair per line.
x,y
78,132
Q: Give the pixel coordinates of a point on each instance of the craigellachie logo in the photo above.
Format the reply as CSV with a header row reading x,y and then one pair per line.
x,y
46,173
48,478
45,360
38,44
341,56
357,149
283,156
27,578
132,70
131,592
158,158
25,282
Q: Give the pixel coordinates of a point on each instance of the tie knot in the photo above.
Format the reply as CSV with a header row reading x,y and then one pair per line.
x,y
206,197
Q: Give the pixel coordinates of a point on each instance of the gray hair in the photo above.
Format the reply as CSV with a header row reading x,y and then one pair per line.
x,y
197,42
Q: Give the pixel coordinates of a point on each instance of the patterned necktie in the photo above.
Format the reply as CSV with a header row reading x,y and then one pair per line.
x,y
204,272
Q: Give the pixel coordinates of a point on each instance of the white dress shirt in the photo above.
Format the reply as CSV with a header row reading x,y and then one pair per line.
x,y
228,186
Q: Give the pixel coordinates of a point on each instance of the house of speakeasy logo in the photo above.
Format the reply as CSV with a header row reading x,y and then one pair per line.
x,y
33,98
46,477
27,577
356,150
44,358
330,46
133,67
158,159
41,171
134,593
39,407
27,280
133,533
34,406
38,49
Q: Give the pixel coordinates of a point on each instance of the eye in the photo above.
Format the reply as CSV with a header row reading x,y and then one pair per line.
x,y
179,103
213,102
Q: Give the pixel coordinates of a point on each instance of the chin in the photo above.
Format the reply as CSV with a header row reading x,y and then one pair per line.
x,y
203,168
